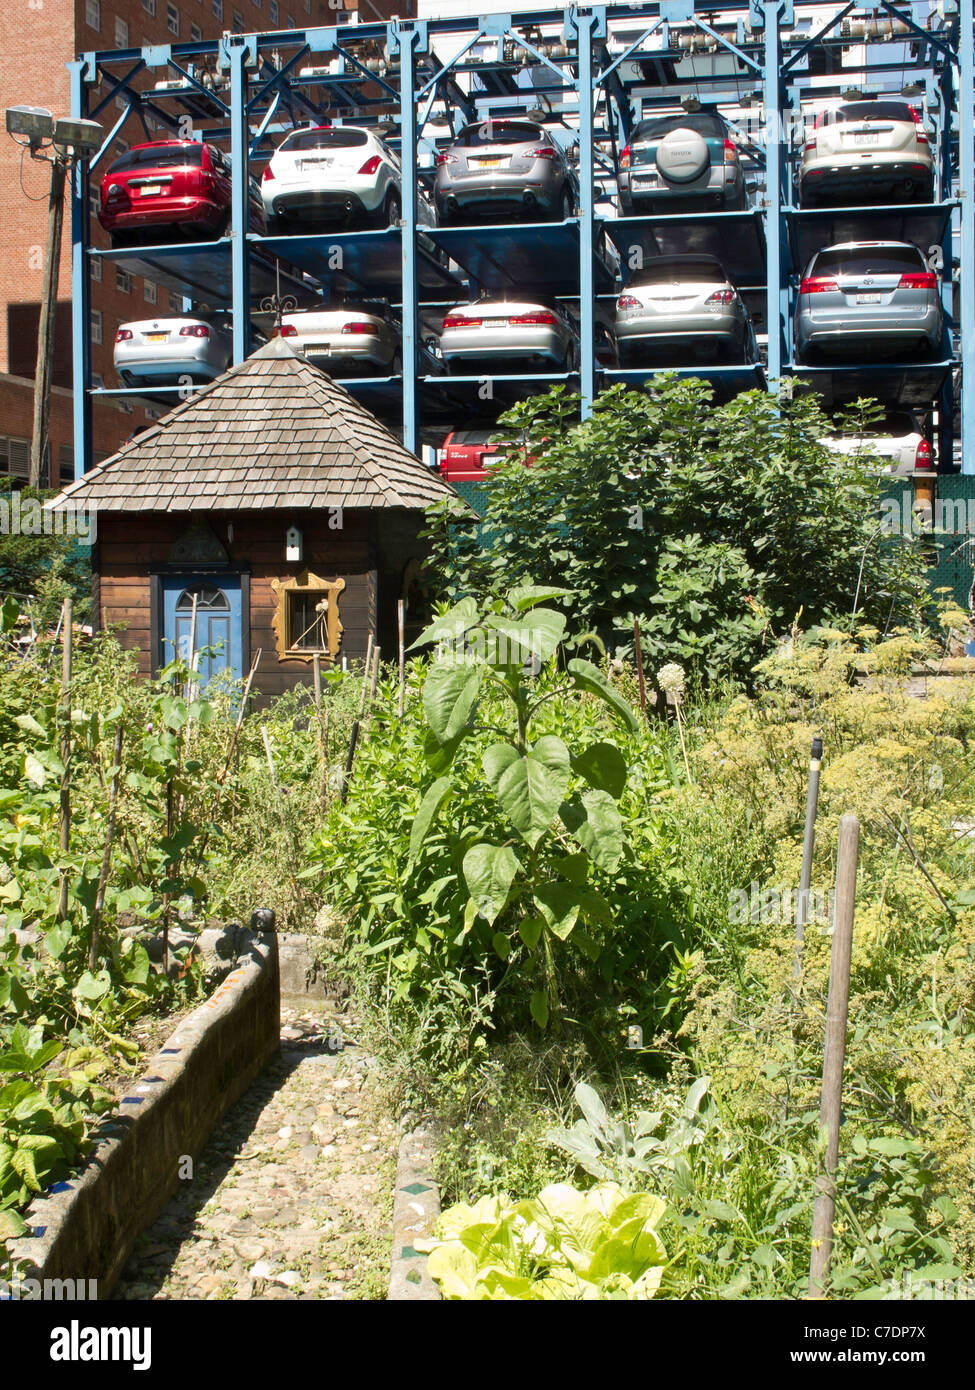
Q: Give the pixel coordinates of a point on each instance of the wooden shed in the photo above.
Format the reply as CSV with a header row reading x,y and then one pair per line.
x,y
280,503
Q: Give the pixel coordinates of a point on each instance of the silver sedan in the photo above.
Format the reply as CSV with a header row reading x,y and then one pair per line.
x,y
877,292
681,305
502,335
161,351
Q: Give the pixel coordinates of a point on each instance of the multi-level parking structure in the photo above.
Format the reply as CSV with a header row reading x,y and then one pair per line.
x,y
591,73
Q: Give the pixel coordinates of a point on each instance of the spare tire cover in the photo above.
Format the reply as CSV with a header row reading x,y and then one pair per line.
x,y
682,156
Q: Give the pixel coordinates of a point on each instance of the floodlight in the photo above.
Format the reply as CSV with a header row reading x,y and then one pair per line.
x,y
83,138
690,104
33,121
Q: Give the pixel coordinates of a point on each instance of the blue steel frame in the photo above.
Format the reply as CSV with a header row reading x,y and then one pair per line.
x,y
263,92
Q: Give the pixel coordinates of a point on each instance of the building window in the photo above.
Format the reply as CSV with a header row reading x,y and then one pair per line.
x,y
272,11
237,23
218,9
123,280
94,201
65,465
307,6
93,14
306,620
149,291
196,33
175,302
172,19
96,326
121,33
95,264
14,458
149,6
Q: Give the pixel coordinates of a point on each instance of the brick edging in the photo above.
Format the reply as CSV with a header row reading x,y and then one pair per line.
x,y
416,1207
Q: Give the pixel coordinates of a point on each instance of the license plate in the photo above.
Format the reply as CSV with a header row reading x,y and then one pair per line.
x,y
866,137
492,163
148,189
314,164
644,181
320,349
869,298
156,337
497,323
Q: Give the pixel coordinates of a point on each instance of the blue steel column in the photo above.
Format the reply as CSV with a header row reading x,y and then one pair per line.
x,y
236,51
404,37
966,187
773,192
80,289
585,26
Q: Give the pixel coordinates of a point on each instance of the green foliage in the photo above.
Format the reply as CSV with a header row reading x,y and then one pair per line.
x,y
564,1244
715,526
44,569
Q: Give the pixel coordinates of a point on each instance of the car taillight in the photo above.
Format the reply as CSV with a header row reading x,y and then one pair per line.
x,y
919,131
809,145
288,330
268,174
459,321
543,152
730,152
924,457
540,317
818,284
721,297
358,326
371,165
627,301
195,330
446,158
918,280
625,154
123,335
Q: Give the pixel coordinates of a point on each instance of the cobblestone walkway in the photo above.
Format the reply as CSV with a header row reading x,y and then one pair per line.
x,y
292,1196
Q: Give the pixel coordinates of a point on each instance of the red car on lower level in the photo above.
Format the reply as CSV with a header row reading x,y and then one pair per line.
x,y
171,186
468,454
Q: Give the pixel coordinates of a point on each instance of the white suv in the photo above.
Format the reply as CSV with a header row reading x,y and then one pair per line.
x,y
875,144
340,174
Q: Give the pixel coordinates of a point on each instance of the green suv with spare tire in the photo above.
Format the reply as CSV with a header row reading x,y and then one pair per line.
x,y
679,163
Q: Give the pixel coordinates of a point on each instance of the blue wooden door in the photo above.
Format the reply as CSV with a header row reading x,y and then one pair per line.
x,y
218,621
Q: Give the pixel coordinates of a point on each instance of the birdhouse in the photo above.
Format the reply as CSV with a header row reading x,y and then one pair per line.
x,y
292,545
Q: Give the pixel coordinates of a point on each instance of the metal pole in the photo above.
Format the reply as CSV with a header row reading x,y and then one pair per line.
x,y
404,36
966,193
236,50
773,192
835,1051
80,286
67,634
45,324
808,845
587,189
401,652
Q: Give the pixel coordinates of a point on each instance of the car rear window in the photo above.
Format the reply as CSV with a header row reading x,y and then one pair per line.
x,y
880,260
706,123
667,270
472,437
159,157
501,133
335,138
867,111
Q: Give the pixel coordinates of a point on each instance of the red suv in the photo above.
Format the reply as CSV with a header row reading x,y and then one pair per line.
x,y
467,454
181,186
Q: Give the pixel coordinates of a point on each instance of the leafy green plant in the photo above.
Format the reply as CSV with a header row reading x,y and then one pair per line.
x,y
565,1244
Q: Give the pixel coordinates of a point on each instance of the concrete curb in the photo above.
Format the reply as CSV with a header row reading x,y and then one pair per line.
x,y
85,1228
415,1209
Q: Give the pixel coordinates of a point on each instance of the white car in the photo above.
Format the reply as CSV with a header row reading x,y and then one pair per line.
x,y
680,304
346,339
894,438
340,174
161,351
863,146
501,334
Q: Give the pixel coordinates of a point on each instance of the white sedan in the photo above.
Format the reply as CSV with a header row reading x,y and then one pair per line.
x,y
504,334
162,351
340,174
346,340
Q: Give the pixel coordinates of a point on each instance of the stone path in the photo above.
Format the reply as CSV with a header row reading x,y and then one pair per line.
x,y
292,1197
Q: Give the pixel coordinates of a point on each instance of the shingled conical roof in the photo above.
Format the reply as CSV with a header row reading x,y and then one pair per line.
x,y
272,432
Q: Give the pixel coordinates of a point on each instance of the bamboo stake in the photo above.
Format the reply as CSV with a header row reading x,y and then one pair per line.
x,y
373,666
270,758
66,653
835,1051
230,751
401,627
376,652
808,845
639,665
107,852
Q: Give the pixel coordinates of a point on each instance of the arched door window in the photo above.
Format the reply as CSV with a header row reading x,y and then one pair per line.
x,y
213,628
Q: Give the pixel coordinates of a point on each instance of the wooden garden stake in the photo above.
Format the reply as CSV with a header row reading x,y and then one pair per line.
x,y
376,653
107,852
371,665
808,845
66,641
270,758
230,751
835,1051
639,665
401,627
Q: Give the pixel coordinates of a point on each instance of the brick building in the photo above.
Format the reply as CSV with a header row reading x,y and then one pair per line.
x,y
37,39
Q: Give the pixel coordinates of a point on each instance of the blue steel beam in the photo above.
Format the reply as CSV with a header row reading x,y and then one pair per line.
x,y
587,27
775,293
236,51
407,38
966,190
80,286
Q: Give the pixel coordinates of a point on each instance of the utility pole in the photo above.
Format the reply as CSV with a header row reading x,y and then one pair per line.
x,y
45,325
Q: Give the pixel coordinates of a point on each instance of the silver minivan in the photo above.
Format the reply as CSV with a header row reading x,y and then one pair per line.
x,y
880,293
